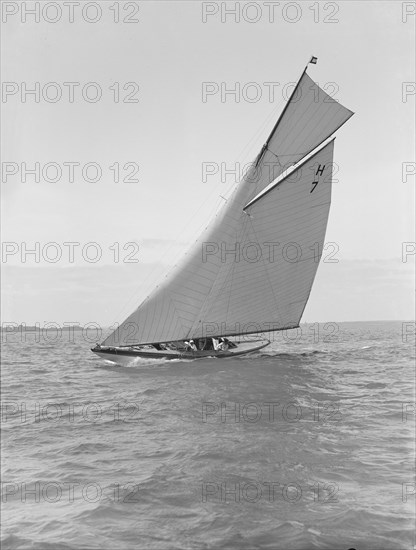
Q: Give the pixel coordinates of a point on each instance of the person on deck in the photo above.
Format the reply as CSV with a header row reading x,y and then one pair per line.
x,y
190,345
222,346
229,344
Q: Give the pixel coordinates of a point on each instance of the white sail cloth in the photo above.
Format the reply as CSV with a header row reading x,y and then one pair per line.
x,y
253,268
252,272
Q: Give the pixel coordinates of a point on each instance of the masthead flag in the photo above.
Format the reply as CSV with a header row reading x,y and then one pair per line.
x,y
313,60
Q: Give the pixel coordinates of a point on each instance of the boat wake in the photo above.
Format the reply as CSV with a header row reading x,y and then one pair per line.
x,y
284,354
140,362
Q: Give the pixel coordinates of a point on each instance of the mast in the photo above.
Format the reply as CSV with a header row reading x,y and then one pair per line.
x,y
295,89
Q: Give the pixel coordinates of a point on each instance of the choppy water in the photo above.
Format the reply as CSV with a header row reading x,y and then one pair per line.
x,y
307,445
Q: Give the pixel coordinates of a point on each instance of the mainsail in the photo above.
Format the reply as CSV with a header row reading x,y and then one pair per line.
x,y
253,269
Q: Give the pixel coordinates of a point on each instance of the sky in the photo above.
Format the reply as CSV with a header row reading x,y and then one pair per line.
x,y
148,116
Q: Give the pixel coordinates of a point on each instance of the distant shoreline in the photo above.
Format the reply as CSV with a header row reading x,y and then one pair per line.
x,y
13,327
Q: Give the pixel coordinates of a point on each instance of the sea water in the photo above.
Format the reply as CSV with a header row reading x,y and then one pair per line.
x,y
306,444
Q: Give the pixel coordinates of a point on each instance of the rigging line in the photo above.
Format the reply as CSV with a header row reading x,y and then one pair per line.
x,y
244,156
263,124
259,131
273,153
166,251
267,119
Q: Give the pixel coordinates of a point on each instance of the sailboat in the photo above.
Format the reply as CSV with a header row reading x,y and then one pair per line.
x,y
252,270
